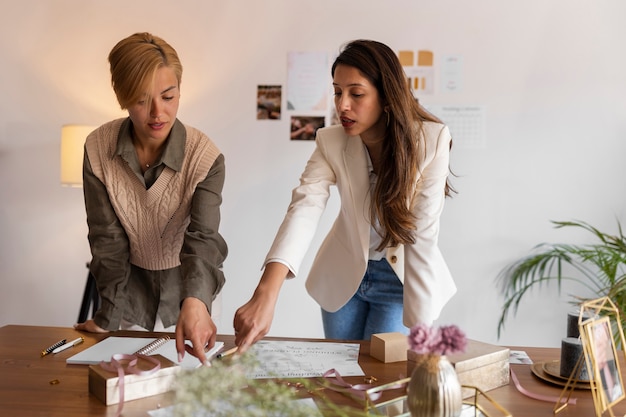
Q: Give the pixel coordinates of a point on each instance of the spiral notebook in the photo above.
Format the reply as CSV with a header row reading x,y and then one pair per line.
x,y
165,346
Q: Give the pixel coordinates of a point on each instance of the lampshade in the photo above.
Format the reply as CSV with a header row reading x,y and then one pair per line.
x,y
72,144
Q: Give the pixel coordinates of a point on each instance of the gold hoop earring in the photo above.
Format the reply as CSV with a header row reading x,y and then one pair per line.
x,y
386,111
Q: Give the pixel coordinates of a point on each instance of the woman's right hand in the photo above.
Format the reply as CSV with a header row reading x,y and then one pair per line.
x,y
253,320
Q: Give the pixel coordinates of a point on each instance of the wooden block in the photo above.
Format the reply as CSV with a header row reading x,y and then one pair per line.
x,y
389,347
105,385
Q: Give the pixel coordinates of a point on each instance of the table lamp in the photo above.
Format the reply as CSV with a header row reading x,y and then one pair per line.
x,y
72,152
72,145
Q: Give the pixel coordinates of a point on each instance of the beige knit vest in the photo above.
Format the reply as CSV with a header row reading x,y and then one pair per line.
x,y
155,219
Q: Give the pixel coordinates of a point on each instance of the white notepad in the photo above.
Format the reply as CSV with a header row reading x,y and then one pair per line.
x,y
103,350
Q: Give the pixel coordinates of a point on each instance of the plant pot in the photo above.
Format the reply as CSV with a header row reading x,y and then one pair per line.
x,y
434,389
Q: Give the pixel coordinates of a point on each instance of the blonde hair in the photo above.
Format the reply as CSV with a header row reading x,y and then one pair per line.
x,y
134,62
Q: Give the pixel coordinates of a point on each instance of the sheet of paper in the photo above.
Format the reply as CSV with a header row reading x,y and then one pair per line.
x,y
307,81
293,359
519,357
452,73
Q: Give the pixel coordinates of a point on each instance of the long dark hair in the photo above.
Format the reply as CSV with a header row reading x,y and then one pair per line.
x,y
403,147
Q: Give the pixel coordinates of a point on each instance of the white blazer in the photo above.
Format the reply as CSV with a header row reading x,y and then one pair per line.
x,y
341,261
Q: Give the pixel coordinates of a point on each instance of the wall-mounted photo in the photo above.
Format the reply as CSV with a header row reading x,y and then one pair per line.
x,y
305,127
268,102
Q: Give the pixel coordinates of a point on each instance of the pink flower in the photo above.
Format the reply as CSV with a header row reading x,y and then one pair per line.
x,y
452,340
419,338
441,341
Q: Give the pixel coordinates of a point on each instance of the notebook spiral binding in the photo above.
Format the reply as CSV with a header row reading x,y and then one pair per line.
x,y
152,346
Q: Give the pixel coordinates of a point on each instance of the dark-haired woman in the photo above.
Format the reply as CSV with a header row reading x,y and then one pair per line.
x,y
379,268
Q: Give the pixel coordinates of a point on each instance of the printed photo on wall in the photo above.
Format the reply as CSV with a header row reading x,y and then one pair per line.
x,y
304,127
268,102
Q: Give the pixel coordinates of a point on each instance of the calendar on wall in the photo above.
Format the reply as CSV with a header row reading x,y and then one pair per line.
x,y
466,123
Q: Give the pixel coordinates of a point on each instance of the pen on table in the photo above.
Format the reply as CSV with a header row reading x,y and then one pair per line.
x,y
74,342
228,352
51,348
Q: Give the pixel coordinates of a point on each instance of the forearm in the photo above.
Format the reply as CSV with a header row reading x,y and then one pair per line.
x,y
204,249
308,202
271,281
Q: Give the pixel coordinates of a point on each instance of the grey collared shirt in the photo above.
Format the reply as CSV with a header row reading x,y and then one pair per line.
x,y
172,156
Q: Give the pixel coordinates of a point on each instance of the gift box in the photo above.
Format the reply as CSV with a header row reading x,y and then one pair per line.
x,y
482,365
389,347
105,385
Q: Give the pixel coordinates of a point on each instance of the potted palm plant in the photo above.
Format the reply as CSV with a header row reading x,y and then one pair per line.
x,y
599,266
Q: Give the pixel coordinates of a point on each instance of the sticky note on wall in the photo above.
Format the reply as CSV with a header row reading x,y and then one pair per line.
x,y
407,58
425,58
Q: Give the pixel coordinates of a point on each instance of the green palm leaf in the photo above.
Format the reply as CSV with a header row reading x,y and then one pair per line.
x,y
599,267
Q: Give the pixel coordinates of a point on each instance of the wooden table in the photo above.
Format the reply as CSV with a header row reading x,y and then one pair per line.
x,y
26,388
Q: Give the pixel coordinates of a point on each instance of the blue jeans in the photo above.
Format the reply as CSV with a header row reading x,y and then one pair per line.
x,y
376,307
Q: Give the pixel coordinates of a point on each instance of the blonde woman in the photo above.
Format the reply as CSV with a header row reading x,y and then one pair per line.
x,y
153,190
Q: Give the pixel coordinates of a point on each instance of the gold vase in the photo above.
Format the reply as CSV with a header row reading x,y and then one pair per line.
x,y
434,389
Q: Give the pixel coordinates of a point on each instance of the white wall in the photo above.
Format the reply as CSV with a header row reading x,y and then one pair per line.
x,y
551,75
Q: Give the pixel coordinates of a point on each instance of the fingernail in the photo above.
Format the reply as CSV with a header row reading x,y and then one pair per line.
x,y
180,357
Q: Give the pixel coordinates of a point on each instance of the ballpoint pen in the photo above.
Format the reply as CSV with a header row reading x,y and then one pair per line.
x,y
51,348
228,352
74,342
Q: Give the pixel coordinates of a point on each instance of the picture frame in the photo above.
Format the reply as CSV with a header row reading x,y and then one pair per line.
x,y
604,361
603,342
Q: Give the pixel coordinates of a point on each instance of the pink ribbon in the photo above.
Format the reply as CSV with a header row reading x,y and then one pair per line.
x,y
539,397
117,367
338,384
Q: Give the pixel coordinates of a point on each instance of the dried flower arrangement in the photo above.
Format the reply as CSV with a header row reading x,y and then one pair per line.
x,y
432,342
223,389
441,340
434,388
